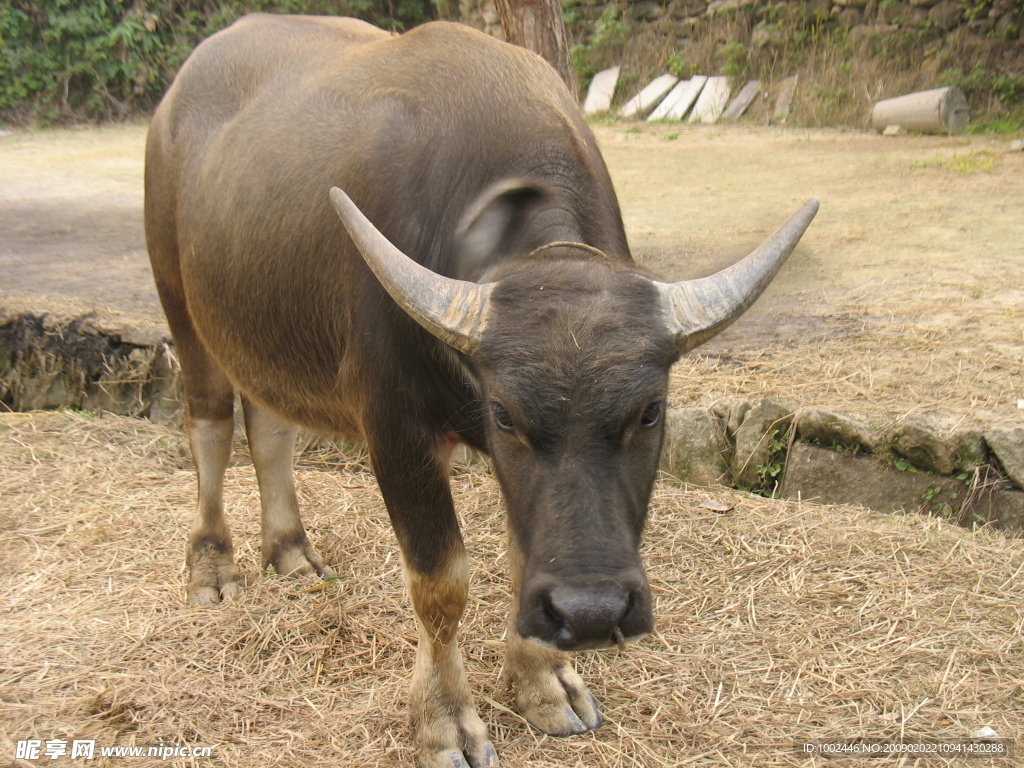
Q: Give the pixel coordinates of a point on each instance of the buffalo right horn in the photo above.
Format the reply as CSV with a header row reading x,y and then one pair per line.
x,y
698,309
455,311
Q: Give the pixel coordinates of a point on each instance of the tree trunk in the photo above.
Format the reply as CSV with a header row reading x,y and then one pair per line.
x,y
537,25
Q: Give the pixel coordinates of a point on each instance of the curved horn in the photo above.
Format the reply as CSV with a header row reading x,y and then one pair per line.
x,y
698,309
455,311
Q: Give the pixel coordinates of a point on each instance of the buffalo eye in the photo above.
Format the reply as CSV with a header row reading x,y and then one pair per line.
x,y
652,414
501,417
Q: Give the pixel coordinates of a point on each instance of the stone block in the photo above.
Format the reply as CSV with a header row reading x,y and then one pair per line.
x,y
647,10
696,449
601,91
732,413
1007,445
1003,507
816,425
849,17
724,6
924,440
766,423
815,473
946,15
712,100
679,100
743,99
649,97
787,90
893,14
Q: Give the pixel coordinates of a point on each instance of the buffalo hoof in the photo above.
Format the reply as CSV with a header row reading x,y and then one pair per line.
x,y
557,702
213,576
297,558
472,749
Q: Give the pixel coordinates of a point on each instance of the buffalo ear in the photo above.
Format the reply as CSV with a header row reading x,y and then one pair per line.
x,y
493,226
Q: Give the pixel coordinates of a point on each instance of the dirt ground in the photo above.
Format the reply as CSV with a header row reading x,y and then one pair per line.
x,y
905,294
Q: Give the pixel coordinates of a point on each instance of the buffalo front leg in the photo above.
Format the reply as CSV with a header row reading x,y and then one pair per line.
x,y
285,544
549,693
449,732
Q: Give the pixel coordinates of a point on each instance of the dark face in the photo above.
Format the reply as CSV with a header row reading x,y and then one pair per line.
x,y
574,372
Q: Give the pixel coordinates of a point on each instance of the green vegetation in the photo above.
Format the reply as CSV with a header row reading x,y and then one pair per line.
x,y
843,70
75,60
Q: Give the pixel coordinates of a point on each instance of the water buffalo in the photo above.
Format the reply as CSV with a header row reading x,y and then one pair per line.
x,y
478,289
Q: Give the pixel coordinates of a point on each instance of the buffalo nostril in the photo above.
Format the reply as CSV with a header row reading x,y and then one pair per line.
x,y
586,617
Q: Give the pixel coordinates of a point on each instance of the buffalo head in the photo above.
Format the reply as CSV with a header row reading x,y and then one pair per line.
x,y
570,351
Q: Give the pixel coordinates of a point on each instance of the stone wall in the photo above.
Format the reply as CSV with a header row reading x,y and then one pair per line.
x,y
925,462
922,463
1003,18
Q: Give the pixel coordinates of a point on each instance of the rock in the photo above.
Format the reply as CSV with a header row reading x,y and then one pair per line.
x,y
758,440
685,9
922,439
767,34
850,17
1003,507
787,90
722,6
816,425
968,449
810,13
946,15
696,449
894,130
1008,26
732,413
647,10
1007,445
893,14
1017,145
814,473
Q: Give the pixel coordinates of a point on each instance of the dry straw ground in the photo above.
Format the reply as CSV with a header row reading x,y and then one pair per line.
x,y
777,622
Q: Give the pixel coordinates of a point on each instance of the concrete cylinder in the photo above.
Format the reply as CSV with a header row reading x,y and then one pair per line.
x,y
943,110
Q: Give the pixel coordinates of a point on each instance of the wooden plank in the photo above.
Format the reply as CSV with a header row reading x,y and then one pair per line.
x,y
743,99
785,101
602,88
942,110
712,101
679,100
655,91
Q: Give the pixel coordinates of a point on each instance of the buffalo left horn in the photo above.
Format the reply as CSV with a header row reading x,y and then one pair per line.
x,y
698,309
455,311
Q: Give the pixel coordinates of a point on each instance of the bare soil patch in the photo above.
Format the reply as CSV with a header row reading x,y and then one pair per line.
x,y
777,621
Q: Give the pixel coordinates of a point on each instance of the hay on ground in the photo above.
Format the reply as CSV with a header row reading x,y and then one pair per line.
x,y
778,622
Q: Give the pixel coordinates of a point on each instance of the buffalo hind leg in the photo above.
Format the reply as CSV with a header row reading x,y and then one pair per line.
x,y
210,402
285,545
549,693
449,733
